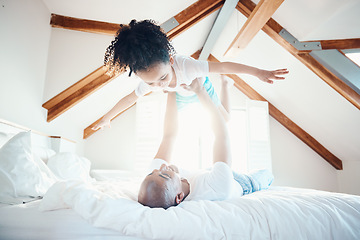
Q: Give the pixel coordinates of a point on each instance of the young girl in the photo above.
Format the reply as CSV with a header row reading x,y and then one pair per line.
x,y
143,48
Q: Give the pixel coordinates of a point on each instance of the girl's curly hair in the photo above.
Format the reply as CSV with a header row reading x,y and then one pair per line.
x,y
136,47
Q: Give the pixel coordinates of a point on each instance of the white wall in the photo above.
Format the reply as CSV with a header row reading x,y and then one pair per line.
x,y
349,177
24,42
297,165
114,148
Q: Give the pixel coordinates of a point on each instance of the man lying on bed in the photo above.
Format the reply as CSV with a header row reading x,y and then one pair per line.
x,y
165,187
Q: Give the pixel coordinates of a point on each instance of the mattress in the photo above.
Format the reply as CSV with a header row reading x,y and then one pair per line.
x,y
25,221
76,206
277,213
108,209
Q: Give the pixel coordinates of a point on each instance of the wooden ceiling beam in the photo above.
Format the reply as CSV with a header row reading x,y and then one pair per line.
x,y
84,25
257,19
272,28
351,43
285,121
76,93
185,20
193,14
95,80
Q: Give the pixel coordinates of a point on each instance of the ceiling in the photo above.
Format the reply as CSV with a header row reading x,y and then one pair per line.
x,y
118,11
306,19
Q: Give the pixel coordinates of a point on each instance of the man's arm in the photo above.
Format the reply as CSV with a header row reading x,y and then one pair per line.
x,y
221,148
236,68
170,129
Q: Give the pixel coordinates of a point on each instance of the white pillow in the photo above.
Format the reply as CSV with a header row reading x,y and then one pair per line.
x,y
4,137
20,174
43,153
69,166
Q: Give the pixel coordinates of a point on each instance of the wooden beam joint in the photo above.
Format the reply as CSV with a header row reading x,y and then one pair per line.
x,y
272,28
256,20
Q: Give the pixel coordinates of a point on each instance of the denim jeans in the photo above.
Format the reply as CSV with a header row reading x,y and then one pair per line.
x,y
254,181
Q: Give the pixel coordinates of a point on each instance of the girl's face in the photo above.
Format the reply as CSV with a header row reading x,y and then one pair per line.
x,y
159,75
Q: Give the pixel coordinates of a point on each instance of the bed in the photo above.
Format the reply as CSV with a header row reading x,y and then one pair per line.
x,y
101,204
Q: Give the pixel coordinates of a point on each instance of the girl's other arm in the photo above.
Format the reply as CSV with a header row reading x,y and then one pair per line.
x,y
123,104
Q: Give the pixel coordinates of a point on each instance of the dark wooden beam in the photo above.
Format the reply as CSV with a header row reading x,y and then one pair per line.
x,y
186,19
84,25
193,14
285,121
76,93
351,43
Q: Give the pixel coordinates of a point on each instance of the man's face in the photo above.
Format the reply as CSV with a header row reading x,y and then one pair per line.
x,y
158,76
165,180
165,176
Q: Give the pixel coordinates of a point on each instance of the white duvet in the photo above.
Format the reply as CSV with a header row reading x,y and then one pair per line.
x,y
278,213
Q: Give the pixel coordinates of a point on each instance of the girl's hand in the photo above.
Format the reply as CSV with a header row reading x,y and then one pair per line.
x,y
100,125
269,76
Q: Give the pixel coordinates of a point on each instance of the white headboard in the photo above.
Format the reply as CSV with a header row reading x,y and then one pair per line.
x,y
38,139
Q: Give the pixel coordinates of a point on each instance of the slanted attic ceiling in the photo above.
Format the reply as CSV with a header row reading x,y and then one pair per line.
x,y
303,97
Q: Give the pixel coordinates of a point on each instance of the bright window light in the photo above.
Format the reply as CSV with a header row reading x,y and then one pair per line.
x,y
355,57
194,148
238,138
192,124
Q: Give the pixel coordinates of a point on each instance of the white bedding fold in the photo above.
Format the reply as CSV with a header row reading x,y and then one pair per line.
x,y
279,213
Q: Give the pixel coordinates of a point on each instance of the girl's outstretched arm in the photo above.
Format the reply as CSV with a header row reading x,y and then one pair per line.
x,y
123,104
237,68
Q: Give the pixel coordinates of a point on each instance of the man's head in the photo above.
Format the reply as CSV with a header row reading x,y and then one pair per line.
x,y
138,46
162,188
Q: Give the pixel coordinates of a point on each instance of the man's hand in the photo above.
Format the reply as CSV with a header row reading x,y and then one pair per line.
x,y
195,86
174,168
269,76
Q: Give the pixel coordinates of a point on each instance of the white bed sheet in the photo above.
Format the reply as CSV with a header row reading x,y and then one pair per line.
x,y
25,221
278,213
